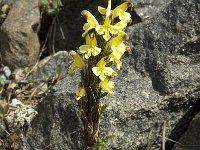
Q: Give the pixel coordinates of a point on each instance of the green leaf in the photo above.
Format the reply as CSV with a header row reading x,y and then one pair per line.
x,y
2,116
2,81
44,2
51,11
109,64
102,142
5,109
104,94
55,4
59,3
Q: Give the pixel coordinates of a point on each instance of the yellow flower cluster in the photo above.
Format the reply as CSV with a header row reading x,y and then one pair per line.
x,y
105,43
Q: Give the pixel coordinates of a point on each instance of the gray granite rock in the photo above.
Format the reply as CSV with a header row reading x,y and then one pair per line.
x,y
19,43
190,140
146,9
57,127
6,2
52,66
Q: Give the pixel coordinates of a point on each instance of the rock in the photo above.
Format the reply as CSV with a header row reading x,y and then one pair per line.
x,y
167,45
52,66
19,44
20,116
146,9
9,2
18,75
6,71
160,79
190,139
57,125
3,130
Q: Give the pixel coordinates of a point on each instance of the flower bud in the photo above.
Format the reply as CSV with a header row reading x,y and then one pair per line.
x,y
85,13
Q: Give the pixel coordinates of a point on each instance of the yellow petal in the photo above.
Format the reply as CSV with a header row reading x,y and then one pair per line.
x,y
116,60
92,22
102,76
120,12
87,39
120,9
86,28
78,62
96,51
90,18
80,92
126,16
88,54
108,11
95,71
109,71
121,48
106,36
83,48
101,64
115,41
100,29
92,42
102,10
118,27
102,71
91,46
107,85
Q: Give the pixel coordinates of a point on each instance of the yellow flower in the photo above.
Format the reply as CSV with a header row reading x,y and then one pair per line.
x,y
91,22
118,48
90,47
80,92
102,10
106,29
108,11
118,27
120,12
107,85
78,62
116,41
117,54
101,70
116,59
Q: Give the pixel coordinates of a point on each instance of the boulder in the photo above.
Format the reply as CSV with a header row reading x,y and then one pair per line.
x,y
57,125
190,139
9,2
19,44
146,9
